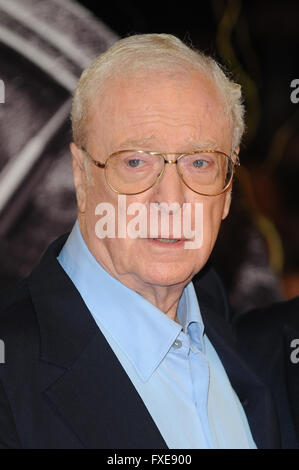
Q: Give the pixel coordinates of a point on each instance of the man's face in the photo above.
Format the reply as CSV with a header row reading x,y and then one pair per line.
x,y
155,112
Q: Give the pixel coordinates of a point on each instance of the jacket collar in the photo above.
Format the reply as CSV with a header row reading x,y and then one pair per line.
x,y
66,325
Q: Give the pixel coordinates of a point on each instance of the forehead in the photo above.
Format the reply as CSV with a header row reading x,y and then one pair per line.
x,y
160,111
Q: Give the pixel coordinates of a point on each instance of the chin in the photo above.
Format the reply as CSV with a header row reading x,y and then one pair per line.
x,y
163,275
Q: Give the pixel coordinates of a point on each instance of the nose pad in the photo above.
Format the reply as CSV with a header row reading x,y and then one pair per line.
x,y
170,186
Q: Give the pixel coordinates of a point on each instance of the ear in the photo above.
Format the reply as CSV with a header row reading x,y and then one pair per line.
x,y
236,153
79,176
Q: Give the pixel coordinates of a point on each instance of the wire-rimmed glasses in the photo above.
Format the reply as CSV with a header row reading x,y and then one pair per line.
x,y
131,172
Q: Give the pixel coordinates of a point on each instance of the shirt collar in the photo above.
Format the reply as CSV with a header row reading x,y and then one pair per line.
x,y
142,331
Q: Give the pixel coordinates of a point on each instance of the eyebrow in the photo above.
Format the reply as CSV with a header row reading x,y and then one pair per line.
x,y
203,144
139,143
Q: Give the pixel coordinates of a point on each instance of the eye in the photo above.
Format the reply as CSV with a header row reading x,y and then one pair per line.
x,y
135,163
200,163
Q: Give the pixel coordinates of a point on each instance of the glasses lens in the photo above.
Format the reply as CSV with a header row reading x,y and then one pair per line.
x,y
207,173
133,172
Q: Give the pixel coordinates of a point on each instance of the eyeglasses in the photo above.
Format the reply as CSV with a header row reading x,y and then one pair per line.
x,y
130,172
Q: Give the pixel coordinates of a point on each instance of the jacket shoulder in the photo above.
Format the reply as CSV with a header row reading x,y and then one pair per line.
x,y
18,324
15,300
263,334
12,294
272,318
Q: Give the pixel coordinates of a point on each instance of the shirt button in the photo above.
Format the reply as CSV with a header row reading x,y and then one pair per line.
x,y
177,344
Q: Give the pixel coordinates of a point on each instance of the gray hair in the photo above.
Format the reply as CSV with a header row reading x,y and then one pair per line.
x,y
149,52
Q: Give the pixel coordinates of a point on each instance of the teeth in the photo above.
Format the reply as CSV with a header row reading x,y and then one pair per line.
x,y
165,240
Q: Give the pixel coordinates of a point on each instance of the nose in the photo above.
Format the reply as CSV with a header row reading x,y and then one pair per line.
x,y
170,188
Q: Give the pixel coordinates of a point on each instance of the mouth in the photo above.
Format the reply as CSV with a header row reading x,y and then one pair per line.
x,y
166,240
169,242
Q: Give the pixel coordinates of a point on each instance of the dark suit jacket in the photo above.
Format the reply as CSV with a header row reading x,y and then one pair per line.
x,y
264,338
62,386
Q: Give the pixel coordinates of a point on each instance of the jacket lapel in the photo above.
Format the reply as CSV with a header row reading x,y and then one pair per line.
x,y
92,392
99,401
253,394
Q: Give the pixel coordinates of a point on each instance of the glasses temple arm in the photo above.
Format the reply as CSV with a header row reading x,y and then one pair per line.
x,y
95,162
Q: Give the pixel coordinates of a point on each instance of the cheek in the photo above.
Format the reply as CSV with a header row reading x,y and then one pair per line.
x,y
98,192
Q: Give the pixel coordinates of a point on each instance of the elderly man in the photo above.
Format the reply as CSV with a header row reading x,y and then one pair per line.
x,y
108,343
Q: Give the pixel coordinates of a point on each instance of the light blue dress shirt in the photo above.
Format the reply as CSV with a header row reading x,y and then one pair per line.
x,y
173,366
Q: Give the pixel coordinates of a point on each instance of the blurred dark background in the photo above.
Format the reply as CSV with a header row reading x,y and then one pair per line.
x,y
257,252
